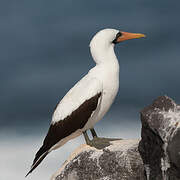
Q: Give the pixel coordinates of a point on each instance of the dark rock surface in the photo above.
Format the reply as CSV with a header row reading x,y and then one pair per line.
x,y
119,161
160,144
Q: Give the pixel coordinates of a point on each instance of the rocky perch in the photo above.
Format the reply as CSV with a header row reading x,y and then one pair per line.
x,y
155,157
121,160
160,143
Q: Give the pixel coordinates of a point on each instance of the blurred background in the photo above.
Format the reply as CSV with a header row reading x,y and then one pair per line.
x,y
44,51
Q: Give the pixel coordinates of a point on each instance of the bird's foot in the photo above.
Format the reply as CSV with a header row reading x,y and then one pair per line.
x,y
101,143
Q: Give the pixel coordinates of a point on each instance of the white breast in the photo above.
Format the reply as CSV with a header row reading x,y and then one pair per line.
x,y
108,74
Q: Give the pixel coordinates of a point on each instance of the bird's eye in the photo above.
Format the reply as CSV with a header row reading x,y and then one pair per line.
x,y
118,34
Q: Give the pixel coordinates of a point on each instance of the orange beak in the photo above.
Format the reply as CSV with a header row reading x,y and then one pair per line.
x,y
127,35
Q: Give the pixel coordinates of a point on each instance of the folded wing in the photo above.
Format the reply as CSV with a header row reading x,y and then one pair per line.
x,y
71,114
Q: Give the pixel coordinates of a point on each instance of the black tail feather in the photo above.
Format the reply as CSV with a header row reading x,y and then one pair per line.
x,y
37,161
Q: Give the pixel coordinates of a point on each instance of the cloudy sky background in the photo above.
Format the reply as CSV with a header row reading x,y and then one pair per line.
x,y
44,51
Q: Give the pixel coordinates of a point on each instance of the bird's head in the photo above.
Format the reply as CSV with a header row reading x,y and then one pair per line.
x,y
113,36
104,40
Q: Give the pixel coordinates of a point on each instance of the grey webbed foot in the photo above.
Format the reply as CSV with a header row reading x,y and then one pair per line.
x,y
101,143
97,142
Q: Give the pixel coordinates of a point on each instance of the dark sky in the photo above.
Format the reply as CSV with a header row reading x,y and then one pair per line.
x,y
45,50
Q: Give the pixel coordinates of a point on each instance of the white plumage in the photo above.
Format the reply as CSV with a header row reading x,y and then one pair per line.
x,y
86,88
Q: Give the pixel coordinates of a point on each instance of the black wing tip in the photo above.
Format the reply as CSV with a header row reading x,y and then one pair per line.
x,y
27,174
37,162
30,171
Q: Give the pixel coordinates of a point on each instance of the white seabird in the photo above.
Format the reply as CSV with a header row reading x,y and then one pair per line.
x,y
88,101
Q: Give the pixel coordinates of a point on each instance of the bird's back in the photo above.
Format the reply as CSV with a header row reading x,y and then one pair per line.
x,y
86,88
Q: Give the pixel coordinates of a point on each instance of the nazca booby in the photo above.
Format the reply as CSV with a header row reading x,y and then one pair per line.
x,y
88,101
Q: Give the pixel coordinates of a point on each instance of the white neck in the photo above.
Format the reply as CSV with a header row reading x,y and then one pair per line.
x,y
102,49
104,54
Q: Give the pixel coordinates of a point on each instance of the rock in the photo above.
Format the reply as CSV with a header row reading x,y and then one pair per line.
x,y
160,144
119,161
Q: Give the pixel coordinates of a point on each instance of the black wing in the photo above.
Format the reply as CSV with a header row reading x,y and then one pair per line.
x,y
66,127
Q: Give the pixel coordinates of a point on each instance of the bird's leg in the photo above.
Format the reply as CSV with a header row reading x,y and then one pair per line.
x,y
93,132
95,137
88,141
97,142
